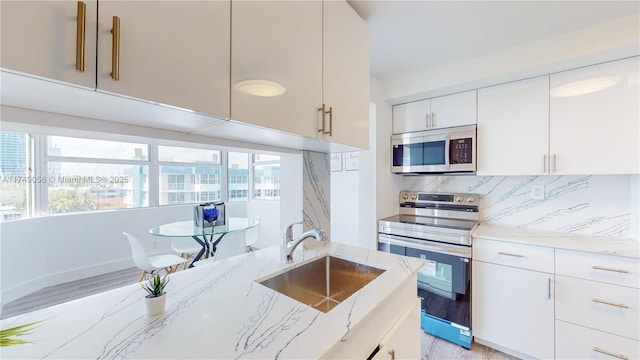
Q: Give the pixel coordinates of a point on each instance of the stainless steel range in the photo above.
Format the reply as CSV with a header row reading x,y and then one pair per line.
x,y
437,227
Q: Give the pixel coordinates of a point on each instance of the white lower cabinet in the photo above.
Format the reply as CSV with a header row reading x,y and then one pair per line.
x,y
579,342
513,309
400,341
541,302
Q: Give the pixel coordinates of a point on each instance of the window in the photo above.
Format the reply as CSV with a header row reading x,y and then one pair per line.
x,y
14,173
266,177
41,174
89,174
238,169
195,173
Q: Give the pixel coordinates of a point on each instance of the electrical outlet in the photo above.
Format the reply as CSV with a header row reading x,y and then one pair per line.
x,y
537,192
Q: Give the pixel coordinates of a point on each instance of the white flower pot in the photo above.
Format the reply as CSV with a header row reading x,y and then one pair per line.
x,y
155,305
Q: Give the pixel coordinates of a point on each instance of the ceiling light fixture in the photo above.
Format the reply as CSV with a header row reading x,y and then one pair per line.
x,y
259,87
585,86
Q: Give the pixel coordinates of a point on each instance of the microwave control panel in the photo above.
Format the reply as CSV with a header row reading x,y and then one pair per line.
x,y
461,151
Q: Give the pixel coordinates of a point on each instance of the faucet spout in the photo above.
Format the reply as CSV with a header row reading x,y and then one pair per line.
x,y
289,244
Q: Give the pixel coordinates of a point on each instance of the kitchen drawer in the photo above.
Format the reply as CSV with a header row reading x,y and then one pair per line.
x,y
598,267
578,342
610,308
537,258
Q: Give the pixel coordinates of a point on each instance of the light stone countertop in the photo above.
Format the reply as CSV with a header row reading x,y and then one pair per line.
x,y
215,311
560,240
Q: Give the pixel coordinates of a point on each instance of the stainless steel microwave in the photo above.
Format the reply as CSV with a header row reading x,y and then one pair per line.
x,y
449,150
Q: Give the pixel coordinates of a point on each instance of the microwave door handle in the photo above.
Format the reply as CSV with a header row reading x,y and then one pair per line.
x,y
447,156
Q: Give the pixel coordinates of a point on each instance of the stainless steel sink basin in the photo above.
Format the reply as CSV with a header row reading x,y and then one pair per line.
x,y
324,282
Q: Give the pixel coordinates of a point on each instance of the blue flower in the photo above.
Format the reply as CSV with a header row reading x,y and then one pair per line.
x,y
210,215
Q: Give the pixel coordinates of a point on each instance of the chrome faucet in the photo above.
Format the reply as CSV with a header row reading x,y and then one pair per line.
x,y
289,243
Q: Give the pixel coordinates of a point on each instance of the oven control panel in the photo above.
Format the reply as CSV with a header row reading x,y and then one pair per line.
x,y
438,198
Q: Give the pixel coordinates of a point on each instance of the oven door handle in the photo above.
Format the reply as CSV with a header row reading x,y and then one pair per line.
x,y
461,251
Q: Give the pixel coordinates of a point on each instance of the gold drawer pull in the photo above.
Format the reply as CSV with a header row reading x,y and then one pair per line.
x,y
508,254
607,269
610,303
610,354
392,352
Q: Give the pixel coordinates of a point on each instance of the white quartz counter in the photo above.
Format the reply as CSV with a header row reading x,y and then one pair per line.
x,y
215,311
594,244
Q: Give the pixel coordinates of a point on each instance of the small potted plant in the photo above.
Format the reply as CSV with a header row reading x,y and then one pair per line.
x,y
156,296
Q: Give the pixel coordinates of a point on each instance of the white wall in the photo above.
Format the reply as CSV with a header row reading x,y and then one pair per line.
x,y
49,250
603,42
353,197
388,185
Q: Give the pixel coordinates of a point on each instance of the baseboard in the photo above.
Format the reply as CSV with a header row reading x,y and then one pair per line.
x,y
501,348
26,288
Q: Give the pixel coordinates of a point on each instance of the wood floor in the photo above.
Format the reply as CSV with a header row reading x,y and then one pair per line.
x,y
432,347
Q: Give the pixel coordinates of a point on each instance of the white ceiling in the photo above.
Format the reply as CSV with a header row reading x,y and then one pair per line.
x,y
410,37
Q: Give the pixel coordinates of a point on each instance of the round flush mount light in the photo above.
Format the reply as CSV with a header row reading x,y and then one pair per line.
x,y
259,87
585,86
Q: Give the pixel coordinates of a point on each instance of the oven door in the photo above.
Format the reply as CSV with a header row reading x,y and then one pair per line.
x,y
447,269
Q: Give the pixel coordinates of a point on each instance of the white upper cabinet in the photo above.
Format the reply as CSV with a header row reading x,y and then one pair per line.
x,y
454,110
513,128
266,47
594,119
174,52
413,116
324,61
50,39
436,113
346,75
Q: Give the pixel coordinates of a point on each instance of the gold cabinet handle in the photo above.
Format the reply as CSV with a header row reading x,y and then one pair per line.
x,y
115,49
545,164
610,303
330,112
610,354
81,21
509,254
322,111
392,352
608,269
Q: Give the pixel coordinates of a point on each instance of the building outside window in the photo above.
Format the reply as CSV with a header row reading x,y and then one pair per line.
x,y
238,170
13,175
266,177
89,174
193,173
85,174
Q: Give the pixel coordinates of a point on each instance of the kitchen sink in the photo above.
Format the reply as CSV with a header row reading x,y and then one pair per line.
x,y
323,283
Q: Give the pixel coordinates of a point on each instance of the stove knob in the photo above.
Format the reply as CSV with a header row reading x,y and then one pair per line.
x,y
470,199
405,196
459,199
414,196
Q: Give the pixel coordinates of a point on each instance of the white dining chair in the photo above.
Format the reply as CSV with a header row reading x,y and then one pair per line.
x,y
151,264
188,248
252,238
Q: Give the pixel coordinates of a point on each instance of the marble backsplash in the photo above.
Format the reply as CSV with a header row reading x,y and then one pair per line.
x,y
590,204
316,189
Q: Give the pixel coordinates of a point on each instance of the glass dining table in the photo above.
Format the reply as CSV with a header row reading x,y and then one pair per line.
x,y
207,237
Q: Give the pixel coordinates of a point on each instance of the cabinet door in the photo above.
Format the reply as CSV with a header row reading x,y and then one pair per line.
x,y
414,116
403,340
513,308
40,38
346,75
173,52
513,128
595,122
453,110
266,48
